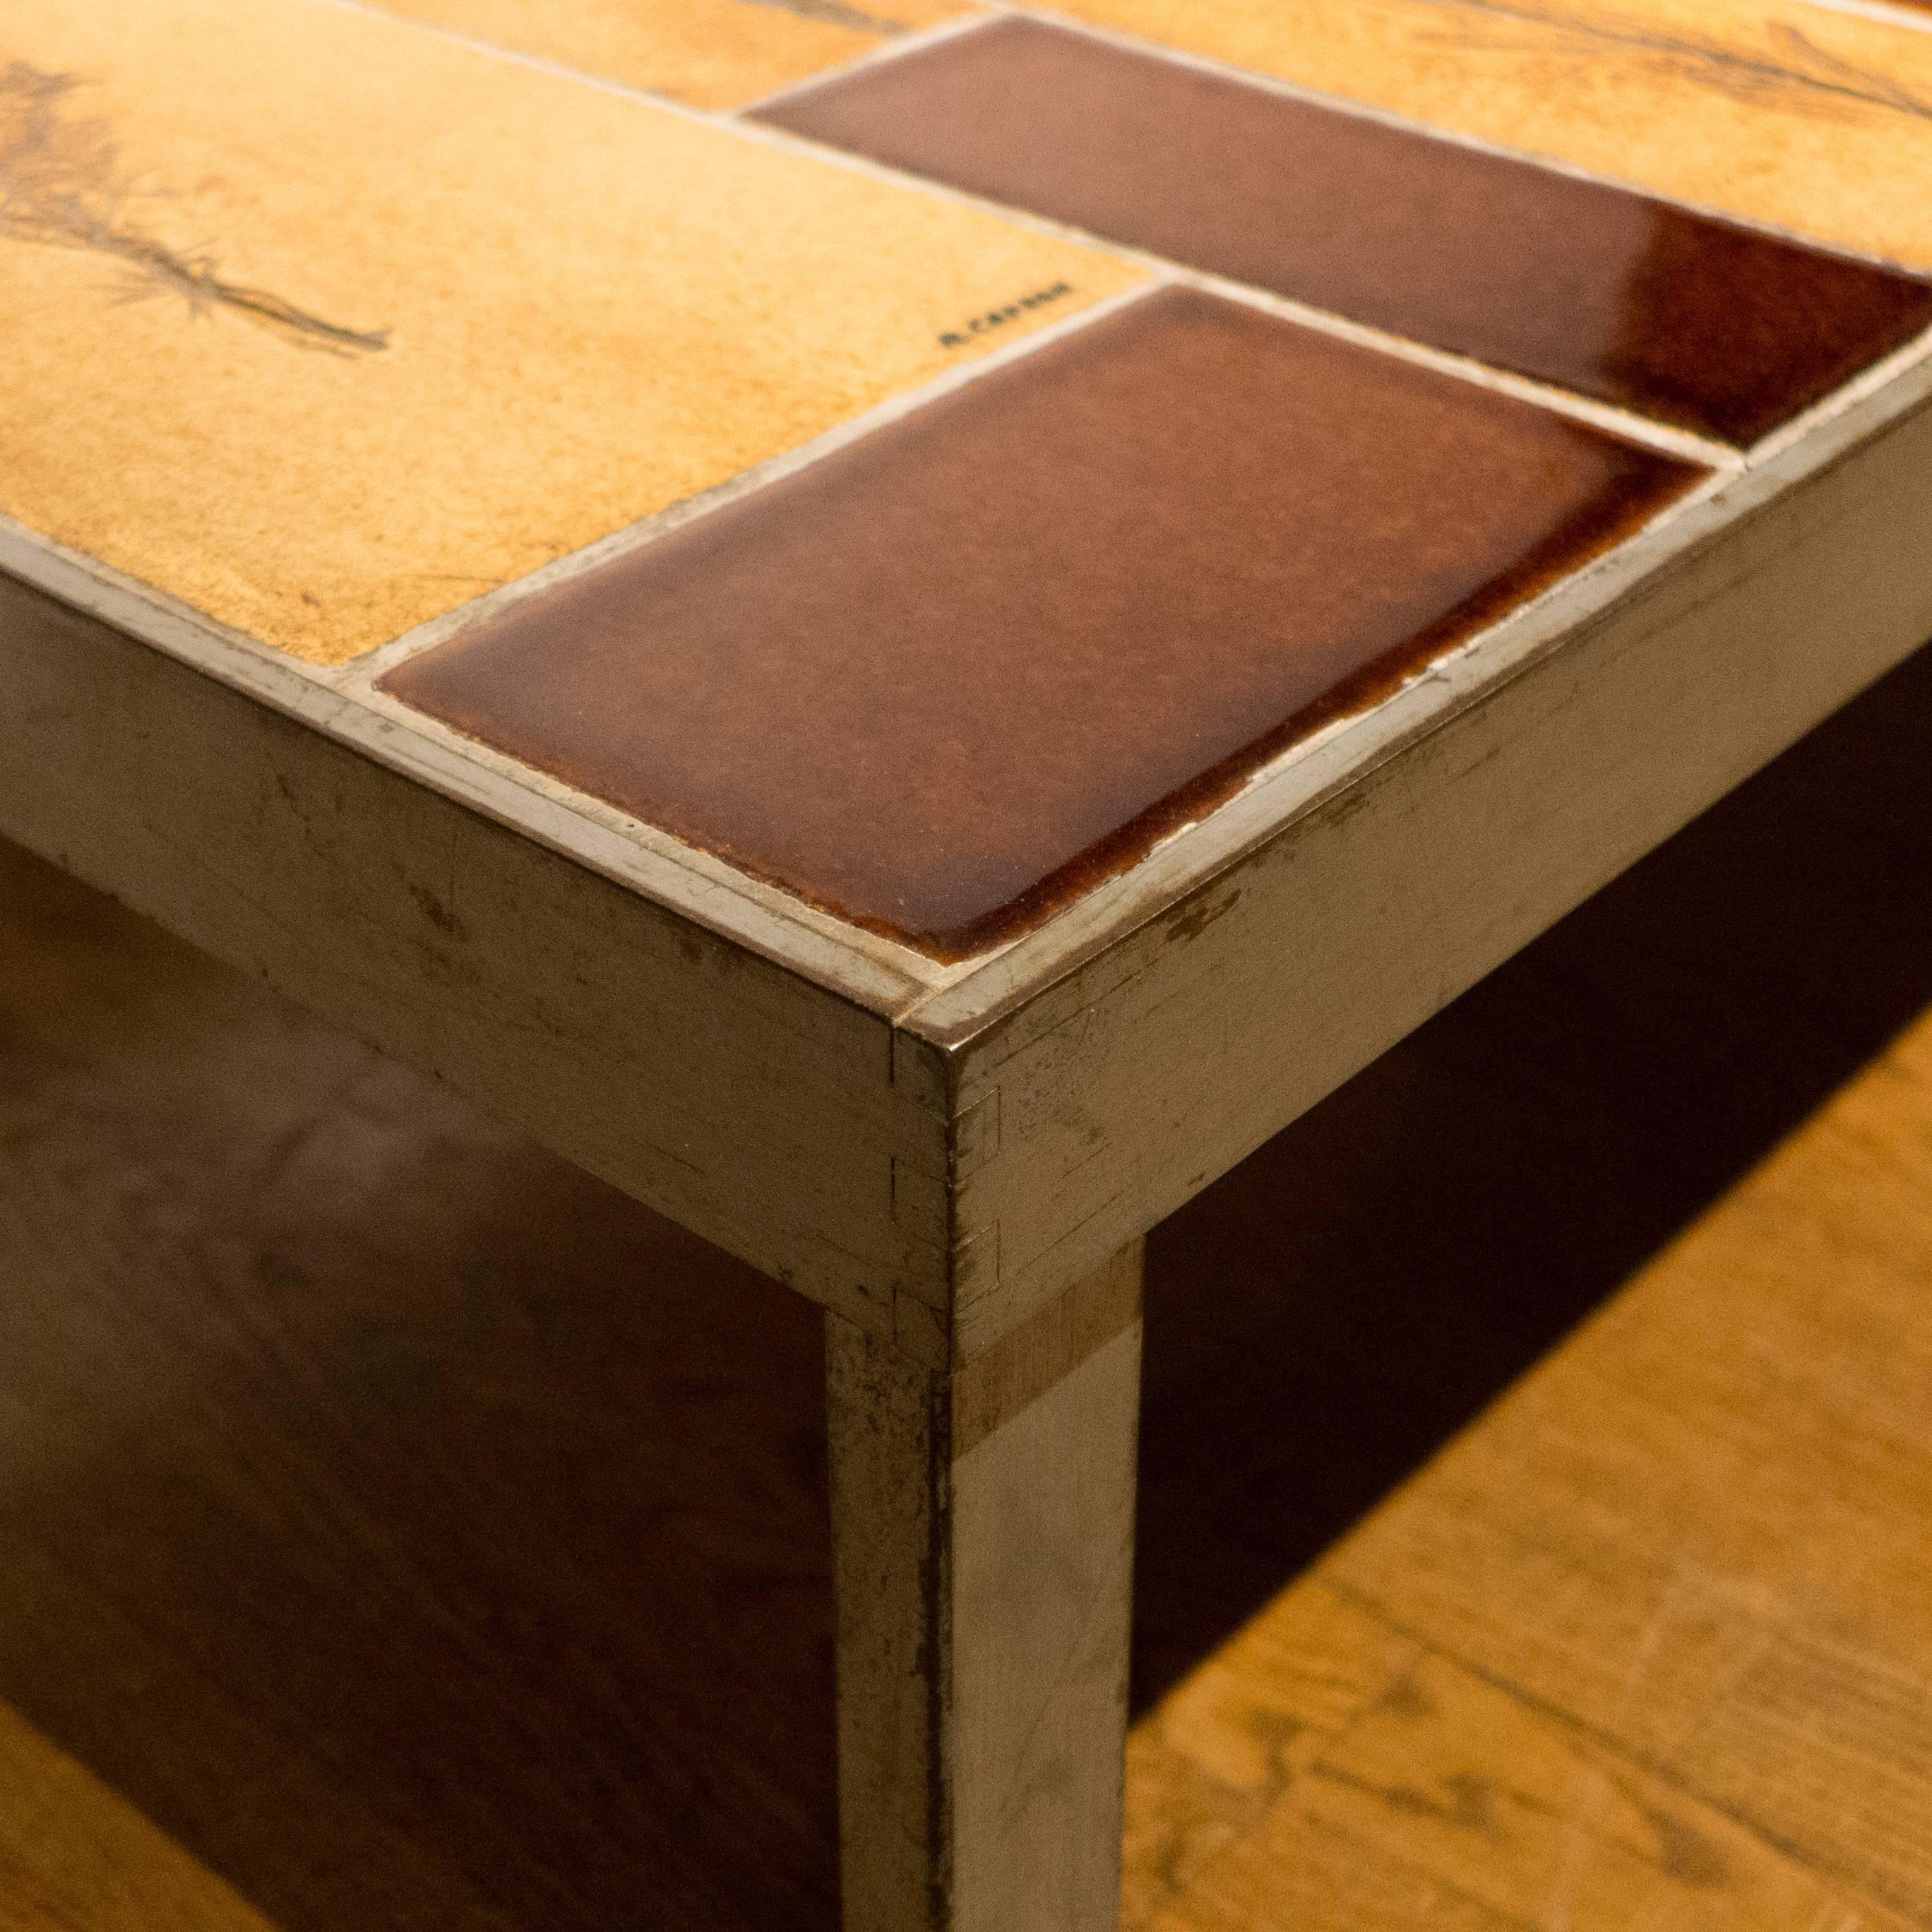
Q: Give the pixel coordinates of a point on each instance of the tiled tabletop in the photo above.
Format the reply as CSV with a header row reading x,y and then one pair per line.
x,y
922,458
903,630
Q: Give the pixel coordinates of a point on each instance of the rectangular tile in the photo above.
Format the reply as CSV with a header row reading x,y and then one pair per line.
x,y
712,53
1779,111
1716,328
325,324
975,661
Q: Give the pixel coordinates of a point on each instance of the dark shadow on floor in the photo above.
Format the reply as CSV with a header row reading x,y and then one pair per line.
x,y
424,1534
1327,1314
434,1541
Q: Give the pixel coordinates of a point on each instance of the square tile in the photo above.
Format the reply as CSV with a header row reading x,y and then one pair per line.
x,y
1721,330
325,324
956,672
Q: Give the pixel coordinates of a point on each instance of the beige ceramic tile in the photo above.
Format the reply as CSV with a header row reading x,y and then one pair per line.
x,y
325,324
712,53
75,1857
1815,121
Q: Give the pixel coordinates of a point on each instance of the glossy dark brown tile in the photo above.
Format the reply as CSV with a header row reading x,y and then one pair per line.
x,y
953,674
1719,329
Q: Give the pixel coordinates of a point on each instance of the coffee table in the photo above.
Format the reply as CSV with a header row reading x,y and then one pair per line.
x,y
905,632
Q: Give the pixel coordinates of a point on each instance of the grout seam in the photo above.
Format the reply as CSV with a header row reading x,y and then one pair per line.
x,y
354,681
542,64
1906,357
1363,110
1610,417
319,696
361,673
1909,18
896,47
1628,424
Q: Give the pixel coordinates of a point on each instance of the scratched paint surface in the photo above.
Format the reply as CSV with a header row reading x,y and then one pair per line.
x,y
324,324
710,53
1778,111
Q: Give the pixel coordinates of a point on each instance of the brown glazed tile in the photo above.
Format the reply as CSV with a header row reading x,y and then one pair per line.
x,y
954,674
1692,321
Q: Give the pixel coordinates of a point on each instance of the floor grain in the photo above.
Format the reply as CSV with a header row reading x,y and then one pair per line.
x,y
1649,1645
370,1517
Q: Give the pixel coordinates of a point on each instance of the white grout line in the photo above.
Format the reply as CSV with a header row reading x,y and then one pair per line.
x,y
1625,423
895,47
546,809
1564,402
142,609
730,121
358,676
1917,350
1363,110
778,139
538,63
440,749
361,674
1908,17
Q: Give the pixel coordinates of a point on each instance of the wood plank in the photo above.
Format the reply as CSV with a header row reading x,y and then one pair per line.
x,y
983,1526
1330,1771
1648,1643
75,1857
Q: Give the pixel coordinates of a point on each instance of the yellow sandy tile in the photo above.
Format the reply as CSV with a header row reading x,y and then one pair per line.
x,y
325,324
75,1857
712,53
1775,110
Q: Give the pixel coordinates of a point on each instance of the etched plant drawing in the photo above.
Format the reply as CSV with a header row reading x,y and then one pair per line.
x,y
1802,77
836,14
62,185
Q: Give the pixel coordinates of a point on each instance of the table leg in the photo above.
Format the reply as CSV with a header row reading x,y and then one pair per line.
x,y
982,1524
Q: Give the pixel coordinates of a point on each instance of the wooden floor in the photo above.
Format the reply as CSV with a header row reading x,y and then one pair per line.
x,y
381,1549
